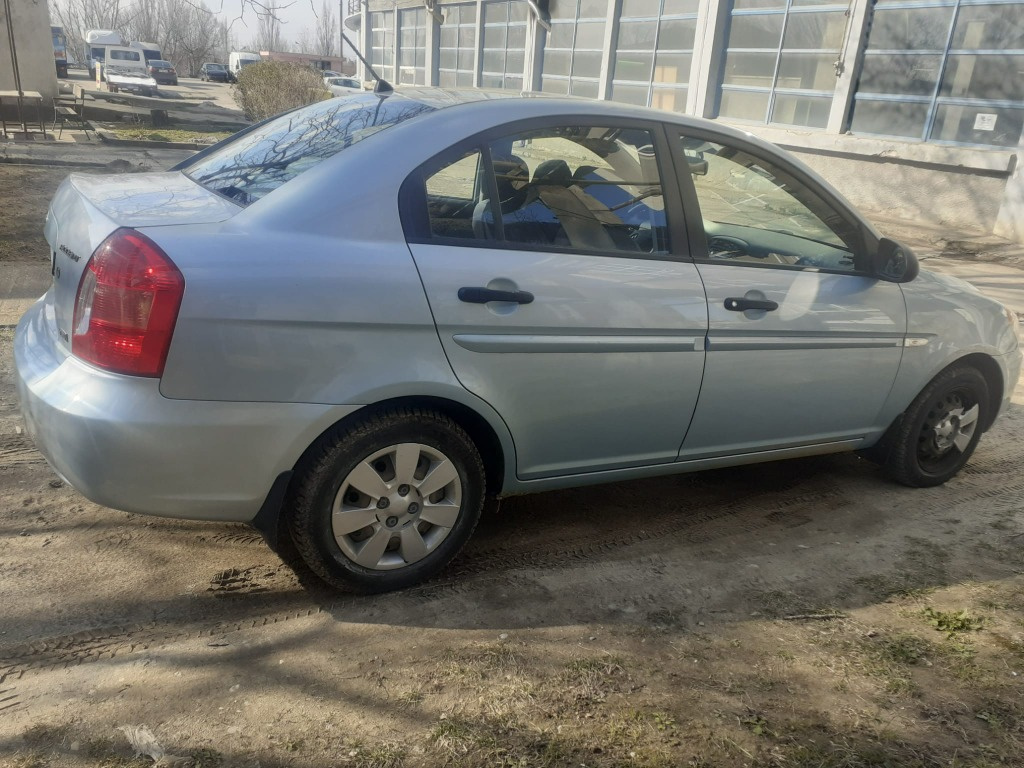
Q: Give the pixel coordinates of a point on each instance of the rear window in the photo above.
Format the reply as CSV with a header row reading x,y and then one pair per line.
x,y
254,164
124,55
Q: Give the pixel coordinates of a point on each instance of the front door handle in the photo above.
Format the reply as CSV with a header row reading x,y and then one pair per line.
x,y
484,295
743,304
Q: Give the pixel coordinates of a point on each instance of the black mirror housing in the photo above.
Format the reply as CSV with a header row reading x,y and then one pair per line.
x,y
894,262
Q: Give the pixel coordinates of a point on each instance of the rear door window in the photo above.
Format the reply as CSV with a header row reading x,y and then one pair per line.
x,y
253,165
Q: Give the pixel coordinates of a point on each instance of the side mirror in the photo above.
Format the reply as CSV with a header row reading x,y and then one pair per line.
x,y
698,165
894,262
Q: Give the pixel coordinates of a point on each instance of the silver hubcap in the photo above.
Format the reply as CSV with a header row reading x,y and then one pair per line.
x,y
954,428
396,506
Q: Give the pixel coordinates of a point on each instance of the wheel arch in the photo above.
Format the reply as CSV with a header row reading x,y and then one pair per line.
x,y
988,368
496,451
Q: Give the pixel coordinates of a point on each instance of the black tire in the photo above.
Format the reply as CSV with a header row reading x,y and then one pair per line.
x,y
328,466
918,455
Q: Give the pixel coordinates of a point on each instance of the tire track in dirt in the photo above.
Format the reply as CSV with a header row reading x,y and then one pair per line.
x,y
247,597
470,572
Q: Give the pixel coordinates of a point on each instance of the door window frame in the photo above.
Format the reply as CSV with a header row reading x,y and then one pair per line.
x,y
866,239
412,203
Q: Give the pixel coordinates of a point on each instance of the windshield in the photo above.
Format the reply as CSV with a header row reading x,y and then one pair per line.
x,y
256,163
215,67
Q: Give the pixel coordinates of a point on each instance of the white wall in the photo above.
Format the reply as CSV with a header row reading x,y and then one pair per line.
x,y
31,21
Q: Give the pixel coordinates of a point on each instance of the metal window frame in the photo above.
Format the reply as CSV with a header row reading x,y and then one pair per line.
x,y
650,83
936,100
570,79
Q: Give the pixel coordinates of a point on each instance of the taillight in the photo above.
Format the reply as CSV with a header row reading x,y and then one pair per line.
x,y
127,305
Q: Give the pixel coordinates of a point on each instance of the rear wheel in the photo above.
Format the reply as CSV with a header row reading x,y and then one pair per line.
x,y
387,502
940,429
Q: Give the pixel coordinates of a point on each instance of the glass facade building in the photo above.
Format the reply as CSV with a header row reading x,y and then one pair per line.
x,y
938,71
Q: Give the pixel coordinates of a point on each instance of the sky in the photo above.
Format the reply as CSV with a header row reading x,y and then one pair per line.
x,y
294,15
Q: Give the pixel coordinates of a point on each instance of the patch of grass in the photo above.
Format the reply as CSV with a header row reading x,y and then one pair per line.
x,y
952,622
206,758
169,133
32,759
385,755
904,648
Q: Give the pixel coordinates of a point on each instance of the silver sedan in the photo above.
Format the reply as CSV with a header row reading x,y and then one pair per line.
x,y
353,323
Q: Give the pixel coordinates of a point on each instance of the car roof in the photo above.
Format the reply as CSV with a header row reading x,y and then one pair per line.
x,y
495,100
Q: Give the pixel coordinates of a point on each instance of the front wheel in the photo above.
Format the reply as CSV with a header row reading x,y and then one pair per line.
x,y
940,429
388,501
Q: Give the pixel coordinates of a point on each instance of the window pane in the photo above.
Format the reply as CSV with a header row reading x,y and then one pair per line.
x,y
464,80
749,69
560,36
809,111
996,27
517,36
590,34
495,13
562,9
517,11
813,71
677,35
756,31
585,88
513,83
515,61
670,99
637,35
984,77
900,73
633,66
449,37
555,85
815,31
978,125
672,68
494,61
556,62
640,8
889,118
745,106
447,80
741,196
680,7
910,29
759,4
590,189
593,9
586,63
452,205
630,94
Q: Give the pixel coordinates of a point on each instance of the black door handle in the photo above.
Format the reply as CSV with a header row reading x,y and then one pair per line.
x,y
742,305
484,295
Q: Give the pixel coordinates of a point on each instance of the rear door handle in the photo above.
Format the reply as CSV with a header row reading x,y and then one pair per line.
x,y
473,295
742,304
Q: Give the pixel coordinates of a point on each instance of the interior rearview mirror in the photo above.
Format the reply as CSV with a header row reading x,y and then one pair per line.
x,y
698,165
894,262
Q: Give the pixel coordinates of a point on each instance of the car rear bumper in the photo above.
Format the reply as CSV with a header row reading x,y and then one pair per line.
x,y
119,442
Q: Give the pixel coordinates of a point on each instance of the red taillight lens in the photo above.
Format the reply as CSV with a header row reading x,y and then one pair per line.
x,y
127,306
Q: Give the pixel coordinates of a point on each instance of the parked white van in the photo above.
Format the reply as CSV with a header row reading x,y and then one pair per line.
x,y
239,59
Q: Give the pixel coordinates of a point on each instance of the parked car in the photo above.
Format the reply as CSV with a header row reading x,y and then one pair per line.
x,y
533,293
131,81
343,86
163,72
215,73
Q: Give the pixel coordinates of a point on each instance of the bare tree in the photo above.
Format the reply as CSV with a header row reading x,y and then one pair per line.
x,y
304,42
326,30
268,31
77,16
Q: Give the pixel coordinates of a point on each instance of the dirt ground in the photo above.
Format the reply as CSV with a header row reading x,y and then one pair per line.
x,y
802,613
